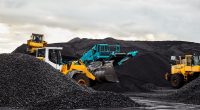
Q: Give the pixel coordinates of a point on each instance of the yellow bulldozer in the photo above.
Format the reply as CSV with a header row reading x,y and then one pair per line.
x,y
52,55
36,41
183,70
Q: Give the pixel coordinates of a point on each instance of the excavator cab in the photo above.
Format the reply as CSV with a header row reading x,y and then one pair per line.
x,y
36,41
106,52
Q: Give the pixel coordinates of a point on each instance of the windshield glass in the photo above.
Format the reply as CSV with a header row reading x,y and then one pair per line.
x,y
40,53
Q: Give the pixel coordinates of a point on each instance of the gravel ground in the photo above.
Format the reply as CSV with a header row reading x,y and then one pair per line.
x,y
188,94
26,82
79,100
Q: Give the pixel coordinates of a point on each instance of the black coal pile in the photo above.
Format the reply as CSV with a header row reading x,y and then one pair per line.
x,y
27,82
145,68
121,87
136,74
76,47
190,93
148,67
21,49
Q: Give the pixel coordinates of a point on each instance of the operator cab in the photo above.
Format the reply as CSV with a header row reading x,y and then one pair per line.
x,y
37,37
51,55
105,49
188,60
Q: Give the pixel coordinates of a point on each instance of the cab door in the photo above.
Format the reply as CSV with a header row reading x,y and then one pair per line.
x,y
55,58
188,66
196,63
40,54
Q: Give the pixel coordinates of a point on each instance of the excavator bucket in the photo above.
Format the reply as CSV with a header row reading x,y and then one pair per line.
x,y
104,71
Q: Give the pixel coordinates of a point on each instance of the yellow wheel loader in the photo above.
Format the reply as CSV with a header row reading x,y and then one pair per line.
x,y
74,69
183,70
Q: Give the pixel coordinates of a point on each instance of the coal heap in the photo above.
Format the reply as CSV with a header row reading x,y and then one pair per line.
x,y
26,82
145,68
190,93
148,67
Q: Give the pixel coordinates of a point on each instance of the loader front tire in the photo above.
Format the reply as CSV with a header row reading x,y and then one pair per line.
x,y
177,80
82,79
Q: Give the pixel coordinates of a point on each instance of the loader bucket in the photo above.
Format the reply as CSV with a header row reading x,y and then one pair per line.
x,y
106,73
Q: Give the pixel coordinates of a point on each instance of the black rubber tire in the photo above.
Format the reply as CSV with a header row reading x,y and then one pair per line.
x,y
177,80
81,79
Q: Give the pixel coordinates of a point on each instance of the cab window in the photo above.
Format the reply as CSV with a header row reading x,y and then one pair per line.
x,y
55,56
41,53
189,61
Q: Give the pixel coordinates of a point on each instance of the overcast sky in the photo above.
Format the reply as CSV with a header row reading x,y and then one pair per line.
x,y
62,20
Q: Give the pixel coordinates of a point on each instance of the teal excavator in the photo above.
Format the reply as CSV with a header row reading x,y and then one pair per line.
x,y
102,59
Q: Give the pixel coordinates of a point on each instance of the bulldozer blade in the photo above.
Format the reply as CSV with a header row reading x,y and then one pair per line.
x,y
106,73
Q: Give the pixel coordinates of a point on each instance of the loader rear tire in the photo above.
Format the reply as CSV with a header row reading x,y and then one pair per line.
x,y
82,80
177,80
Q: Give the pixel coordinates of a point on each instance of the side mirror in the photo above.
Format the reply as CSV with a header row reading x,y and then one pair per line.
x,y
173,58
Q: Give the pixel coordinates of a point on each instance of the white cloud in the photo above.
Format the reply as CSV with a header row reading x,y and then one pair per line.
x,y
54,35
3,28
63,20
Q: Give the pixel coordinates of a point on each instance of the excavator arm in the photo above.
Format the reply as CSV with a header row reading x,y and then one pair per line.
x,y
127,57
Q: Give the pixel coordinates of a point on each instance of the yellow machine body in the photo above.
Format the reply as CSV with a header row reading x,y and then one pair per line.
x,y
79,66
72,69
36,41
185,68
